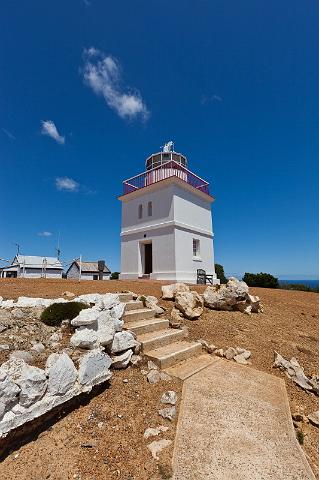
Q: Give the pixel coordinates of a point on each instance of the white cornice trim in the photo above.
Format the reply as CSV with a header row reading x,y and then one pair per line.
x,y
171,223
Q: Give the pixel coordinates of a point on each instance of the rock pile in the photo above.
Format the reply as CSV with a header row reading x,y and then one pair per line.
x,y
232,296
294,371
28,392
101,327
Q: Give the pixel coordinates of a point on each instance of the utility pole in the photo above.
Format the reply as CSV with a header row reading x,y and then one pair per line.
x,y
18,248
80,270
58,251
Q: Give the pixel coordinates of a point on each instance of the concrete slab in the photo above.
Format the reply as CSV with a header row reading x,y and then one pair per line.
x,y
189,367
235,422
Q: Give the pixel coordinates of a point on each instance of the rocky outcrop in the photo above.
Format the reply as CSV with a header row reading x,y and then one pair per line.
x,y
232,296
297,374
28,392
190,304
169,291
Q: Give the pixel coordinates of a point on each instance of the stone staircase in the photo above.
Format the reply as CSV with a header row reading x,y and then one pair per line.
x,y
165,346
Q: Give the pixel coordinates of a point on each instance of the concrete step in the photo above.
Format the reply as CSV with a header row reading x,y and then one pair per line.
x,y
174,353
191,366
133,305
145,326
158,339
125,297
139,314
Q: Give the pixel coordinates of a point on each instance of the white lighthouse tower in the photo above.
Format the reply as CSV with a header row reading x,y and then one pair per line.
x,y
166,229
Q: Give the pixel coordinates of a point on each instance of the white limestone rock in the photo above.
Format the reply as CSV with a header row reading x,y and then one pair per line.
x,y
88,316
61,372
55,337
122,361
7,304
168,413
2,407
89,298
154,432
169,397
4,347
105,328
94,368
226,297
22,355
123,341
9,391
38,347
157,446
112,301
191,304
33,384
84,338
230,353
255,304
153,376
169,291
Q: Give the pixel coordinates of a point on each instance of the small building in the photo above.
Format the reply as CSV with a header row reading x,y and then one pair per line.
x,y
167,231
88,270
26,266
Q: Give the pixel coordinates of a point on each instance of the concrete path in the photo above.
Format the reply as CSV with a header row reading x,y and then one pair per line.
x,y
235,423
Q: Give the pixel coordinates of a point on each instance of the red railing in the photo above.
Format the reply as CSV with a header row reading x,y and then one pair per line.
x,y
167,170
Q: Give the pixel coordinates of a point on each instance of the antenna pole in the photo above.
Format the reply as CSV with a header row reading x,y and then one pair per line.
x,y
80,271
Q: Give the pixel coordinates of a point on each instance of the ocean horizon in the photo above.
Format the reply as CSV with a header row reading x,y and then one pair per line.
x,y
309,283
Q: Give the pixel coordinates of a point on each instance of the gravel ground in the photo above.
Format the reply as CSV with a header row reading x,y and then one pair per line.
x,y
289,325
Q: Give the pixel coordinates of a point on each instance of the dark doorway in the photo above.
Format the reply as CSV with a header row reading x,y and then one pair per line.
x,y
95,277
148,258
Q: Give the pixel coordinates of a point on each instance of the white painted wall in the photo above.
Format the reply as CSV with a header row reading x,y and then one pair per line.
x,y
38,273
178,216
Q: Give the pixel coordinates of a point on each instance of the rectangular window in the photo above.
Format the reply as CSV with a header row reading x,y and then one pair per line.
x,y
149,209
140,211
196,251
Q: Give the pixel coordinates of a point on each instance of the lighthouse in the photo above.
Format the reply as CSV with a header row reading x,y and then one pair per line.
x,y
166,231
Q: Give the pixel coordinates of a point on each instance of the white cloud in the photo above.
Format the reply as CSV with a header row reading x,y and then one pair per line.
x,y
44,234
9,134
211,99
49,128
67,184
103,74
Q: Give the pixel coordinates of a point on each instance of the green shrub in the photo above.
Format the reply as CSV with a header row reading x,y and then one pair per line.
x,y
55,313
300,437
261,279
115,275
219,269
296,286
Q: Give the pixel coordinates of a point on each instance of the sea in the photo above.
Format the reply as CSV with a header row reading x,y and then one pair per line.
x,y
309,283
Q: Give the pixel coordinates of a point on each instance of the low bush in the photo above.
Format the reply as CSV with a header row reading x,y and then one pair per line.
x,y
115,275
55,313
301,287
219,269
295,286
264,280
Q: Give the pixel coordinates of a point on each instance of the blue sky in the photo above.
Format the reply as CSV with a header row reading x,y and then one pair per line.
x,y
88,89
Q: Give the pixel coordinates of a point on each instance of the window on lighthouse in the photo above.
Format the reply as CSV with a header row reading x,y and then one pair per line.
x,y
140,211
196,251
149,209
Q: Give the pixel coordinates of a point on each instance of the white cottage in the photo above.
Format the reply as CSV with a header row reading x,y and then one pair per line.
x,y
88,270
27,266
166,229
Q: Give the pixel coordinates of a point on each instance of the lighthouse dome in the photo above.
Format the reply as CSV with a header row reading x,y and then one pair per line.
x,y
166,155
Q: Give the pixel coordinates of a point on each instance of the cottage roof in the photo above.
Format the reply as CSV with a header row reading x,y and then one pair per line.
x,y
30,261
90,267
